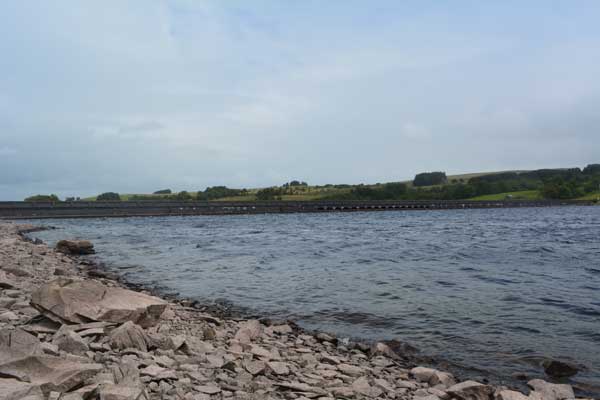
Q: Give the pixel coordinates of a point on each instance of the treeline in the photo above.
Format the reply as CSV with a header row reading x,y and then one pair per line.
x,y
568,183
551,183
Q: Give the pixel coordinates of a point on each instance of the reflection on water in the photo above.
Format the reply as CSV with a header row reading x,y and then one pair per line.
x,y
492,289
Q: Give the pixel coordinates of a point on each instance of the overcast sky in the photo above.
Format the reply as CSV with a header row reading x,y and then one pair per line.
x,y
135,96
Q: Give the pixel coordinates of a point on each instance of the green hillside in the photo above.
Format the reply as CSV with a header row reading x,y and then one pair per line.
x,y
560,183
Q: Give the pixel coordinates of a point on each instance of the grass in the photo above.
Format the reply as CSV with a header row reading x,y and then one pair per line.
x,y
590,196
521,195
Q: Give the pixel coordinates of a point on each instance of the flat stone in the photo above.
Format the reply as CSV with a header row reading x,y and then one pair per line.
x,y
301,387
48,372
12,389
278,368
120,392
254,367
208,389
18,343
79,301
351,370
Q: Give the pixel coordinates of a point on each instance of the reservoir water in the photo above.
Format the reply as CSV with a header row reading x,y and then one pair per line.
x,y
494,291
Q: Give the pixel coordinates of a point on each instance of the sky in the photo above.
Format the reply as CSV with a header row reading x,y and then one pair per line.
x,y
136,96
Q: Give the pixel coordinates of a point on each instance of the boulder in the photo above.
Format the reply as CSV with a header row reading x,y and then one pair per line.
x,y
551,391
81,301
51,374
559,369
129,335
433,376
471,390
75,247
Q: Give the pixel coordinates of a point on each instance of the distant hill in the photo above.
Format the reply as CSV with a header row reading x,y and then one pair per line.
x,y
559,183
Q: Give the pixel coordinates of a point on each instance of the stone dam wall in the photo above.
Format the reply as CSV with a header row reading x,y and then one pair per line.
x,y
83,209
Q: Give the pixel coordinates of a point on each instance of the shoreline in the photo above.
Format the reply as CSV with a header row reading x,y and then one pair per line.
x,y
259,358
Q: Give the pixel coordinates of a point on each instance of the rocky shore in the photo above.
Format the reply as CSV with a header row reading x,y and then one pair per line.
x,y
66,334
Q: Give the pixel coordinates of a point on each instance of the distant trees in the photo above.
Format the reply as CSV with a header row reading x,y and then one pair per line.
x,y
272,193
43,198
592,169
430,179
163,191
219,192
182,196
109,196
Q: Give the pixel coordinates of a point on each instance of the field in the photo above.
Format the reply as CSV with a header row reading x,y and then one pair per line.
x,y
521,195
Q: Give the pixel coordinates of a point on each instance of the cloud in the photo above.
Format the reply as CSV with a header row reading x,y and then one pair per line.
x,y
135,96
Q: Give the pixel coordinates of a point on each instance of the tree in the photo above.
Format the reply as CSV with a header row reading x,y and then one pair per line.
x,y
43,198
183,196
268,194
592,169
430,178
109,196
163,191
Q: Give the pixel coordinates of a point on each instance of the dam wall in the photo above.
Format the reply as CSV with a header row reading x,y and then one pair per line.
x,y
94,209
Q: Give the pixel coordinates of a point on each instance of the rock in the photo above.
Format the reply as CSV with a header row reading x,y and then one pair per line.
x,y
18,343
208,389
255,367
559,369
382,349
301,387
407,384
78,302
17,271
342,391
48,372
8,316
158,373
401,348
471,390
282,329
129,335
362,386
510,395
278,368
49,348
351,370
126,374
120,392
249,331
12,389
433,376
6,302
75,247
551,391
6,282
324,337
69,341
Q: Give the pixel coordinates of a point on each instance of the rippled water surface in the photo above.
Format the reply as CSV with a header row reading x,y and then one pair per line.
x,y
495,290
